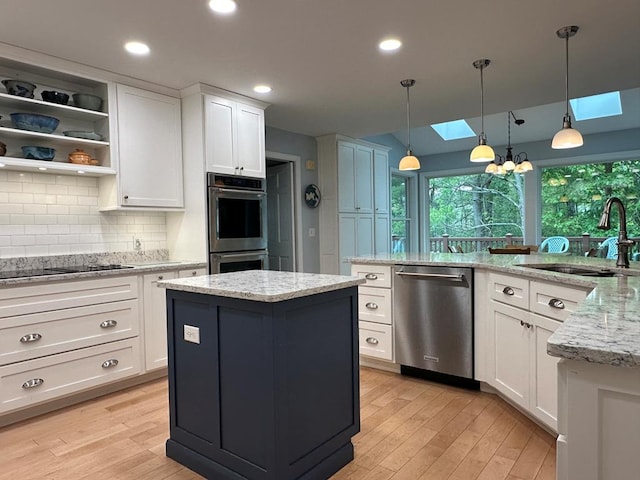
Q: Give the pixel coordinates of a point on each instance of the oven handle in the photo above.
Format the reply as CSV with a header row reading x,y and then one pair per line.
x,y
237,255
442,276
253,193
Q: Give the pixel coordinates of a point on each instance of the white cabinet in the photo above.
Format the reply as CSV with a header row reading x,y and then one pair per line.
x,y
155,316
375,318
59,338
598,421
354,212
234,137
149,145
519,366
355,178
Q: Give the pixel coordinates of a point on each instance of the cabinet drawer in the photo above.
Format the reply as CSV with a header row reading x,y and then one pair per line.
x,y
192,272
509,289
374,305
34,381
25,337
376,275
42,297
375,340
555,301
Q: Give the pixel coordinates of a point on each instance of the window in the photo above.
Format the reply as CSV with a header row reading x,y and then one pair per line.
x,y
573,198
475,211
403,211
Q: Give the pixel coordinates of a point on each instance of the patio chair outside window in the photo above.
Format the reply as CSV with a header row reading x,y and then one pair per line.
x,y
555,245
611,244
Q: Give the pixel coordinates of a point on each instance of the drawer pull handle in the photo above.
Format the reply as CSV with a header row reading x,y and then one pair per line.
x,y
194,273
372,341
33,383
371,276
30,338
108,324
556,303
508,291
371,305
525,324
112,362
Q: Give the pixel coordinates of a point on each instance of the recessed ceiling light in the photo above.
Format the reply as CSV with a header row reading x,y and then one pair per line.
x,y
390,44
222,6
80,172
137,48
42,168
262,89
1,165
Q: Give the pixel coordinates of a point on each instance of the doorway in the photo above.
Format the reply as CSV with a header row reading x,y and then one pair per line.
x,y
281,208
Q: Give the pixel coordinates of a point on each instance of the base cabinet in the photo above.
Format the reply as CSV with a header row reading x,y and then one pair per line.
x,y
257,395
598,421
521,316
155,316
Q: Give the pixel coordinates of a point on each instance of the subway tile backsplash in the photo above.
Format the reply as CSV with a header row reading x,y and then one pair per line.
x,y
44,214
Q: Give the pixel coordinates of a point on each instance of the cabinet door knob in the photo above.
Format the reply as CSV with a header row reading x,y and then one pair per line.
x,y
126,197
194,273
371,276
30,338
33,383
556,303
372,341
112,362
371,305
108,324
508,291
160,277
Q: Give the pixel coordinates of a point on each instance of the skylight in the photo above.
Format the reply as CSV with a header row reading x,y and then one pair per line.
x,y
596,106
453,130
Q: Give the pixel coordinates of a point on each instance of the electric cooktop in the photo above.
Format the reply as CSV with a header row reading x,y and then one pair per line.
x,y
38,272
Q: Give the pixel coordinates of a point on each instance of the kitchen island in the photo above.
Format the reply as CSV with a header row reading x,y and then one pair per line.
x,y
598,344
263,374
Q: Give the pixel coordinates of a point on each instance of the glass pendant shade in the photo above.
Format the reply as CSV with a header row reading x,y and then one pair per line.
x,y
491,168
567,138
482,153
525,166
409,162
509,165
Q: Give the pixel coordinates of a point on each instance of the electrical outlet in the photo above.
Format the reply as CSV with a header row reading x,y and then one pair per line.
x,y
137,244
192,334
312,232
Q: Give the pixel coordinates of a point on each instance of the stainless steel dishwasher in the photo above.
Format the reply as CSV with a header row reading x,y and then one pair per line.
x,y
433,318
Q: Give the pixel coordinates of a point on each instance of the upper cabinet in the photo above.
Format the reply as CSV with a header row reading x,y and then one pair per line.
x,y
149,143
355,178
74,125
234,137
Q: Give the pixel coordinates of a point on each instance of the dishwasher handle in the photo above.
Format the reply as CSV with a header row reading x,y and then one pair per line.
x,y
439,276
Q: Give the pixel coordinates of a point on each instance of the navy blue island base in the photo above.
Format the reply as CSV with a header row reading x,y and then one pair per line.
x,y
270,392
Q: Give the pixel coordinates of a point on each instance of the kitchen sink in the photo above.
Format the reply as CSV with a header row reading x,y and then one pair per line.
x,y
581,270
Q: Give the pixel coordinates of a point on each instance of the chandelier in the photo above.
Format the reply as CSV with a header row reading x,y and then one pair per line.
x,y
518,163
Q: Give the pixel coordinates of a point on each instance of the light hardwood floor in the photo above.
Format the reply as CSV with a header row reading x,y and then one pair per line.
x,y
411,429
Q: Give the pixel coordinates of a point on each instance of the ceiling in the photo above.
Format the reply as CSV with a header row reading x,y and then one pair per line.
x,y
327,74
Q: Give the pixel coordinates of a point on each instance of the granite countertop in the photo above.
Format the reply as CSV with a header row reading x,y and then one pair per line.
x,y
262,285
140,262
604,329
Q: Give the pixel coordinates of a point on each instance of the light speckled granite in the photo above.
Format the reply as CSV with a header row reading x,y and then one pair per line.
x,y
141,262
262,285
604,329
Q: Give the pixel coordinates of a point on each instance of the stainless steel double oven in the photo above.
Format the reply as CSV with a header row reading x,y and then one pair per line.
x,y
237,213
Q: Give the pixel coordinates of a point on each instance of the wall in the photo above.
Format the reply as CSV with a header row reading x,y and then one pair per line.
x,y
398,150
282,141
44,214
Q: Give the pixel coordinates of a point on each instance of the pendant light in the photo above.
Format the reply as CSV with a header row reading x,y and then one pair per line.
x,y
409,161
567,137
483,152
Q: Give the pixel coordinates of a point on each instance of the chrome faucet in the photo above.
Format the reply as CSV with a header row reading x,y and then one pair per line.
x,y
623,242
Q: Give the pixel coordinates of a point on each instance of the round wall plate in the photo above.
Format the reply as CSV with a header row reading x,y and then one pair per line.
x,y
312,196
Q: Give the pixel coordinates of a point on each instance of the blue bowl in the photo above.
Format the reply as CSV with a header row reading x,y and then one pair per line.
x,y
38,153
34,123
